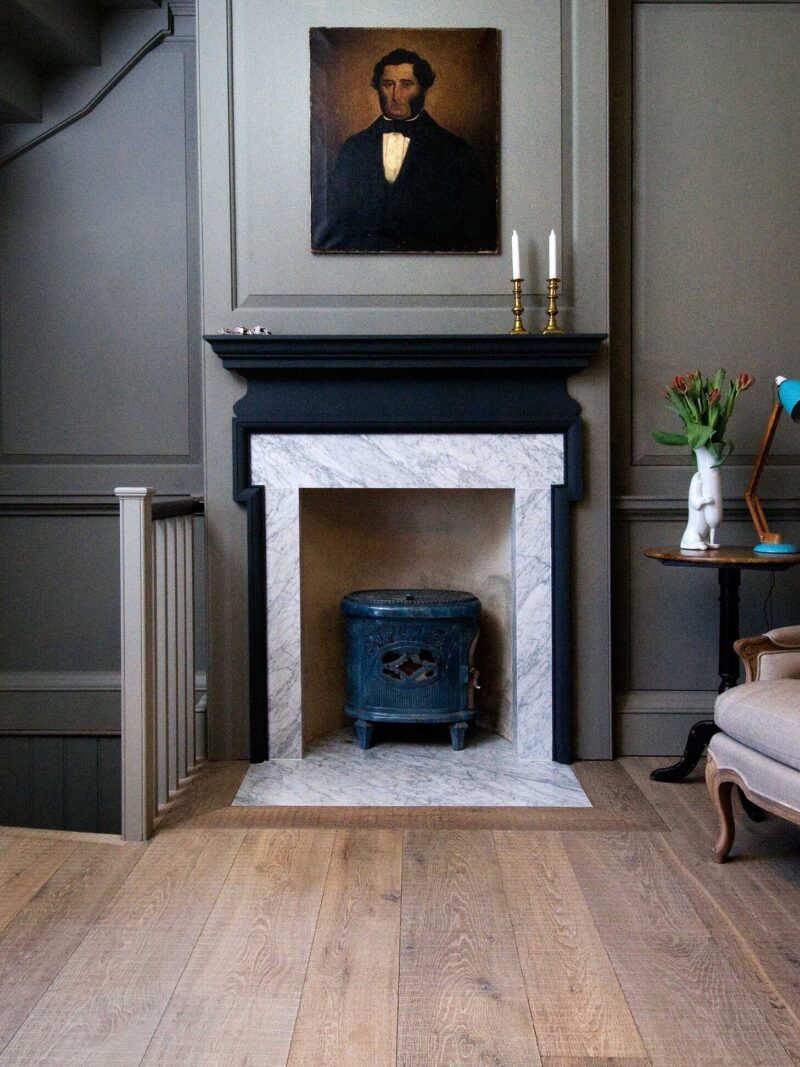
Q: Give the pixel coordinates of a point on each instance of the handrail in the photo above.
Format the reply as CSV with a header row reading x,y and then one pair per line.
x,y
171,509
157,620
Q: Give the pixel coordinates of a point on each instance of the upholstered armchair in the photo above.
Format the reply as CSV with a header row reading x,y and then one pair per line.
x,y
758,746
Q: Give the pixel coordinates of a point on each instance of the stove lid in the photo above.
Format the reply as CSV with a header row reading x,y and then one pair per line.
x,y
411,603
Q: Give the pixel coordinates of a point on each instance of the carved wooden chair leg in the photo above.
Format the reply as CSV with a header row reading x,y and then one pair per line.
x,y
721,795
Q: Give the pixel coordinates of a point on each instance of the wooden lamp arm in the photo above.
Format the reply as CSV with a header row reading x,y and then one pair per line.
x,y
750,493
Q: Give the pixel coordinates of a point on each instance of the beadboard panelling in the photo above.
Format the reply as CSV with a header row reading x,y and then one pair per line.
x,y
61,783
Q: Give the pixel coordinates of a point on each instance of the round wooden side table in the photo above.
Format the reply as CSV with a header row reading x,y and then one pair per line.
x,y
729,563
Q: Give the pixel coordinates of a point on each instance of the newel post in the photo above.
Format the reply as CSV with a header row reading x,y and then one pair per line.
x,y
138,675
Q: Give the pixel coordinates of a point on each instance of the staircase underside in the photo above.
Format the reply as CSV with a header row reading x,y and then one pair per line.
x,y
41,39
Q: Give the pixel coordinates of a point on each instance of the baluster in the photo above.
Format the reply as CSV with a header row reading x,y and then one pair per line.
x,y
137,662
180,633
172,655
188,532
162,740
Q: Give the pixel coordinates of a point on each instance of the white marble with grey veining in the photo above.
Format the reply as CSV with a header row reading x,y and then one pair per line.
x,y
412,773
528,463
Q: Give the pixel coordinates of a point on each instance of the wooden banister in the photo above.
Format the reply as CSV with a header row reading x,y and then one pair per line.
x,y
158,684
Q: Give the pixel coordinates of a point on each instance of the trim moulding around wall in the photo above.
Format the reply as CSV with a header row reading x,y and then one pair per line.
x,y
698,702
661,508
71,682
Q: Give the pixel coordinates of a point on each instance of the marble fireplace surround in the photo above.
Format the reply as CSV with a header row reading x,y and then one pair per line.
x,y
319,407
530,464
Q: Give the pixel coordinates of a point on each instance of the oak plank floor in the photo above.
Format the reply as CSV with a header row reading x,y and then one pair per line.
x,y
577,1004
750,906
39,941
349,1009
462,994
600,937
688,1002
108,998
26,864
237,999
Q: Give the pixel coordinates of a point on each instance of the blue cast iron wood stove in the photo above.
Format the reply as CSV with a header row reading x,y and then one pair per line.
x,y
410,658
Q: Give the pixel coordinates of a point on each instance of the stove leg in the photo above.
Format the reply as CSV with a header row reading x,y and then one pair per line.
x,y
457,732
364,733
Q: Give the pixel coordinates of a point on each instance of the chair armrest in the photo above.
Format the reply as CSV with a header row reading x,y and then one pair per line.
x,y
785,636
757,654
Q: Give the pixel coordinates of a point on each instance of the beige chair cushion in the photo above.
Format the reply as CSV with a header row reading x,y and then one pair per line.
x,y
764,716
761,775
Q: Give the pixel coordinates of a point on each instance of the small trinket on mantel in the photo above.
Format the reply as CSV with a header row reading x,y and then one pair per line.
x,y
248,331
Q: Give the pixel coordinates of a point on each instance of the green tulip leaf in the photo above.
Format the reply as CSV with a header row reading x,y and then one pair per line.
x,y
697,436
665,438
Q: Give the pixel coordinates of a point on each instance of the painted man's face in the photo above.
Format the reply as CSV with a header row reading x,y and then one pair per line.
x,y
401,95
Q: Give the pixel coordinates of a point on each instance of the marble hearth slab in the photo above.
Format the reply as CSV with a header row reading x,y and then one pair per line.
x,y
410,773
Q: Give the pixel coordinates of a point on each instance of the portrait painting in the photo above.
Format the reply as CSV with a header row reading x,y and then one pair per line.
x,y
404,140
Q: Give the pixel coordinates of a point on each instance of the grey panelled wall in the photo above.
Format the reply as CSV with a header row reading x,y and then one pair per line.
x,y
706,269
101,386
258,268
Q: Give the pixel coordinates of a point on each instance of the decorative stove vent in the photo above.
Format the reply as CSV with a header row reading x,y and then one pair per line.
x,y
410,658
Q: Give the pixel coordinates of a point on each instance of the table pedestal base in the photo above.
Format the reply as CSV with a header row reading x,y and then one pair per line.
x,y
699,736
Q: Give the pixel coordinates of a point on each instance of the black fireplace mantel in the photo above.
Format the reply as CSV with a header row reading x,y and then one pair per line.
x,y
424,383
491,352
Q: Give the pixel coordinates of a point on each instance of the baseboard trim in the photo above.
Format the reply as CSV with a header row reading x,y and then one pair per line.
x,y
697,702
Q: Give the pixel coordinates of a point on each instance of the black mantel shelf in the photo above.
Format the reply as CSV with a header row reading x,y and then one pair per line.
x,y
256,353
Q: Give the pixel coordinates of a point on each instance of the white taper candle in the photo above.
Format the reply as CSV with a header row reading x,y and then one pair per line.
x,y
515,271
552,263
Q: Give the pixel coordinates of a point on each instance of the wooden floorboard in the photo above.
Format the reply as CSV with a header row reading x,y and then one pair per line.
x,y
751,905
689,1004
25,866
105,1004
444,818
212,786
593,1061
462,994
44,934
578,1007
238,998
602,937
611,789
348,1012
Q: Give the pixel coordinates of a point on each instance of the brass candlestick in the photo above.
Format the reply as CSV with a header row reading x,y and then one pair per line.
x,y
552,307
517,308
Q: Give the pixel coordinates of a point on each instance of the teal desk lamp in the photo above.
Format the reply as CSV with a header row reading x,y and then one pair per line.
x,y
788,398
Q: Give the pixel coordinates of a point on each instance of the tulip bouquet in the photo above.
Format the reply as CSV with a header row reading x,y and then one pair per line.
x,y
704,405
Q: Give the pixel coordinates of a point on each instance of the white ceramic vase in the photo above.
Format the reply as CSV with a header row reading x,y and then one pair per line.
x,y
705,504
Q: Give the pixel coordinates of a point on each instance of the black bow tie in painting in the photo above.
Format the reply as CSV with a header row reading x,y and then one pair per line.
x,y
404,126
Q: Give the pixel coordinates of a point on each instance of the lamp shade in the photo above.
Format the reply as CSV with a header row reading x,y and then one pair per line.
x,y
789,396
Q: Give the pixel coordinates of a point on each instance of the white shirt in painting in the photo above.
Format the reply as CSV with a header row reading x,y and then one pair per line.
x,y
395,146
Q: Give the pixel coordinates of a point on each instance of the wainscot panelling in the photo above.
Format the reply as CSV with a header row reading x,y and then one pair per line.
x,y
61,782
258,268
705,144
100,386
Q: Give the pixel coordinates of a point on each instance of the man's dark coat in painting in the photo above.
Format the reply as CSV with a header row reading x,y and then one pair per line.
x,y
439,201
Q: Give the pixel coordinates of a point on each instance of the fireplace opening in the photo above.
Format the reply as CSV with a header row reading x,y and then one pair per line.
x,y
415,538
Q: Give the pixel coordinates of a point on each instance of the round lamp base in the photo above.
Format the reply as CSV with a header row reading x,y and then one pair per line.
x,y
771,550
